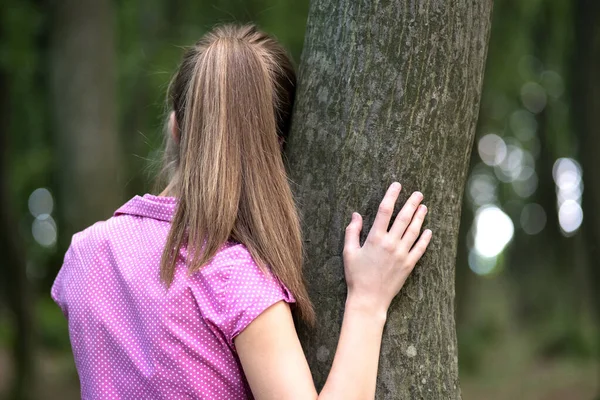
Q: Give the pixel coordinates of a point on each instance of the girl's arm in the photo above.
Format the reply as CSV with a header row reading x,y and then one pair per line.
x,y
269,349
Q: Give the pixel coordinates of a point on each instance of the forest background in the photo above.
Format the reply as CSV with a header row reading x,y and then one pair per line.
x,y
527,301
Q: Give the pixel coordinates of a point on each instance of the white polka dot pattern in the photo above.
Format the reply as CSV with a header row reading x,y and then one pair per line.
x,y
134,339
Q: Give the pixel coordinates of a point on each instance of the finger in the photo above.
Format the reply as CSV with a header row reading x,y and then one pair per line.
x,y
406,214
386,208
415,254
412,232
352,239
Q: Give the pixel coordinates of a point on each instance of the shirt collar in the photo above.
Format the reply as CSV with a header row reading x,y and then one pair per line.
x,y
150,206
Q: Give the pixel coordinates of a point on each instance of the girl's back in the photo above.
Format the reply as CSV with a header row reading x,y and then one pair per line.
x,y
133,338
155,295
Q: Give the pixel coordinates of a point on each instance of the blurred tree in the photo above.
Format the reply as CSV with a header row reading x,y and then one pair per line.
x,y
388,91
544,275
84,99
586,110
22,165
15,288
539,270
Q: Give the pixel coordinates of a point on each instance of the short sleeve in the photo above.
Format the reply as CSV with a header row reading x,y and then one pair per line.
x,y
57,292
249,291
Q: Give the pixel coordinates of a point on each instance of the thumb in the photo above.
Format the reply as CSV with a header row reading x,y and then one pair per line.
x,y
352,239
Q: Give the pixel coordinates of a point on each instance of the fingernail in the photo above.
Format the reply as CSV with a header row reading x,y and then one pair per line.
x,y
423,208
419,194
396,185
428,231
354,216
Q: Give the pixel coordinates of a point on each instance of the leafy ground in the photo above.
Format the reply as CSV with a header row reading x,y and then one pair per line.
x,y
561,379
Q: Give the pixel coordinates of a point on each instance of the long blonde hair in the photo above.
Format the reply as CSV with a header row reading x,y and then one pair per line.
x,y
232,97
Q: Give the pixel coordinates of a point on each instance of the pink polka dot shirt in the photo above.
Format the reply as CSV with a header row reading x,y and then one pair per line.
x,y
134,339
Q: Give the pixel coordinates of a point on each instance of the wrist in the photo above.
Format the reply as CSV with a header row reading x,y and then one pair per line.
x,y
366,308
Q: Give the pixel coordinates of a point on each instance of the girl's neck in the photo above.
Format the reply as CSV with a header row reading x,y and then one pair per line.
x,y
170,190
165,193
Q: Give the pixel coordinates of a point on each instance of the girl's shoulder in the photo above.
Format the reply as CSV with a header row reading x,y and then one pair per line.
x,y
234,289
233,270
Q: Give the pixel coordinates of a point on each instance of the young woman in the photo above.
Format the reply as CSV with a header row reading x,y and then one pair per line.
x,y
189,294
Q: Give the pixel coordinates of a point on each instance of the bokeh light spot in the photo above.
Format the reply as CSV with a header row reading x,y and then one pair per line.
x,y
481,265
40,202
44,231
570,216
492,149
533,218
523,124
511,167
533,97
566,173
526,187
553,83
493,230
482,188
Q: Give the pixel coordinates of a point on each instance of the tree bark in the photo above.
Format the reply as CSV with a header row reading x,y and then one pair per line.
x,y
388,91
84,98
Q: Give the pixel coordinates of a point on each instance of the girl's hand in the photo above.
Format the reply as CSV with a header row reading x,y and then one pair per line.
x,y
269,348
376,272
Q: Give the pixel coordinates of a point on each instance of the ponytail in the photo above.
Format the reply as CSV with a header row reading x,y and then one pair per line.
x,y
232,98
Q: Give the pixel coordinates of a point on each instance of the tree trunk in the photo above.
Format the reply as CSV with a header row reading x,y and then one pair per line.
x,y
84,97
388,91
